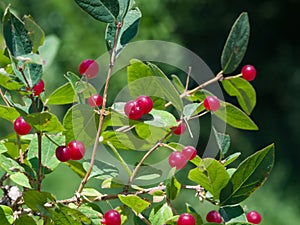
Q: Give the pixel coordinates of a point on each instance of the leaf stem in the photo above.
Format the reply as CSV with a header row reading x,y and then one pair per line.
x,y
20,149
39,171
50,139
102,111
119,157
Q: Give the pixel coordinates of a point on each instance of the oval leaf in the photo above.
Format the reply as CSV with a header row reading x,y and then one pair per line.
x,y
248,177
102,10
236,44
8,113
233,116
244,92
134,202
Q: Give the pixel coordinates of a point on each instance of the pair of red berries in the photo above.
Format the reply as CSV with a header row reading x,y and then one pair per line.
x,y
188,219
89,68
179,159
135,109
75,150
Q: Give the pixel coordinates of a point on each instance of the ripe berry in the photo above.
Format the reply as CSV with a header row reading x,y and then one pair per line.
x,y
253,217
178,160
145,103
180,129
38,88
132,110
21,127
63,153
249,72
111,217
214,217
95,100
189,152
77,149
89,68
211,103
186,219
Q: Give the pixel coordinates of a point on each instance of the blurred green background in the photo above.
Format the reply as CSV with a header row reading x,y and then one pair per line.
x,y
202,26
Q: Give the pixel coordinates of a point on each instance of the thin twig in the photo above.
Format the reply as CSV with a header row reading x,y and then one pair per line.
x,y
40,165
102,112
188,78
144,219
20,149
3,97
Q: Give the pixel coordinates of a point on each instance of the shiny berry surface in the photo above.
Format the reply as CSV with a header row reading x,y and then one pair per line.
x,y
132,110
77,149
189,152
89,68
214,217
178,160
111,217
63,153
211,103
254,217
248,72
180,129
145,103
186,219
38,88
95,100
21,127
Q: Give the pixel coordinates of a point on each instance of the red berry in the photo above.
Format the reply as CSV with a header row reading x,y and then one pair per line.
x,y
180,129
111,217
77,149
178,160
145,103
214,217
132,110
38,88
63,153
189,152
21,127
95,100
211,103
89,68
186,219
254,217
249,72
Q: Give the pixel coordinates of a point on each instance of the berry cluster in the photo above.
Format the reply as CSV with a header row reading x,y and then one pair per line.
x,y
89,68
75,150
179,159
135,109
111,217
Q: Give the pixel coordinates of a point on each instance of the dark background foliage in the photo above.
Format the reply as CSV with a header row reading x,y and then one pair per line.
x,y
202,26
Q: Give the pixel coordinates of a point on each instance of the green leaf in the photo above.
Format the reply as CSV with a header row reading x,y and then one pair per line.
x,y
91,192
36,200
49,159
190,110
124,6
62,95
231,158
223,141
49,50
233,116
8,113
233,213
75,214
102,170
10,165
150,80
136,203
244,92
128,30
162,119
102,10
44,122
236,44
15,35
177,83
25,220
2,148
249,176
76,167
7,81
20,179
79,123
90,212
211,175
172,188
60,217
6,215
35,33
147,172
160,214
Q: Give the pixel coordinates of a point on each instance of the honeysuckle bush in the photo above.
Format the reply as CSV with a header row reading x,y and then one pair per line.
x,y
128,158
